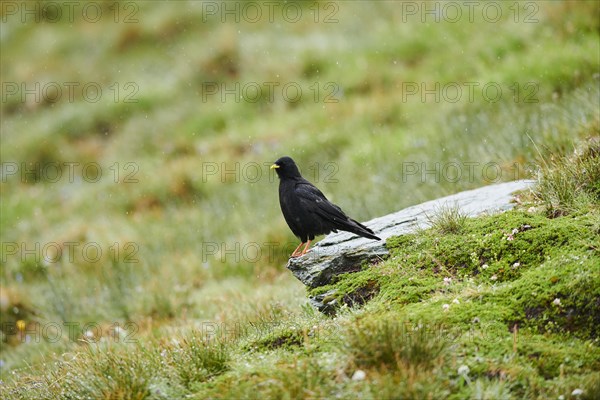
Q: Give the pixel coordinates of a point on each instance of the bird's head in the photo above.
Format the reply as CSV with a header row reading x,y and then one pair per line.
x,y
286,168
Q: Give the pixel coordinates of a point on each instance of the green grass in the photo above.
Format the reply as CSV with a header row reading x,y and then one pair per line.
x,y
179,269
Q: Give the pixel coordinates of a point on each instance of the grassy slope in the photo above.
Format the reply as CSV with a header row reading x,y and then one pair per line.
x,y
493,307
175,295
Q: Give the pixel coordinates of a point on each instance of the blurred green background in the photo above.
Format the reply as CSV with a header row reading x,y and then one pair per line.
x,y
145,129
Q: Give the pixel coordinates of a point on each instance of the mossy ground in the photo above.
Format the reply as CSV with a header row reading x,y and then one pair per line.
x,y
517,274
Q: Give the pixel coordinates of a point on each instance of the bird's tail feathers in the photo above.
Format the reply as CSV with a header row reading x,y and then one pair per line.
x,y
359,229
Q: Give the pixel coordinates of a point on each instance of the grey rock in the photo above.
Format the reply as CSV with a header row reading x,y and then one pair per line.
x,y
325,302
345,252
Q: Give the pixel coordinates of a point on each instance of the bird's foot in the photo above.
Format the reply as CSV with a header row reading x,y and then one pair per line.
x,y
306,248
297,252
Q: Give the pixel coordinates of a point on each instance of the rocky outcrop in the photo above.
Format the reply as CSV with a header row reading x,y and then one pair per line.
x,y
344,252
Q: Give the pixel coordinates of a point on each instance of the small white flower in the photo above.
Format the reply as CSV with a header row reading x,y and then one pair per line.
x,y
463,370
556,302
494,277
359,375
455,301
446,307
485,266
577,392
515,231
447,281
517,264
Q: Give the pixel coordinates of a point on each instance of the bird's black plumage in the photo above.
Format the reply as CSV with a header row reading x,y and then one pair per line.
x,y
307,211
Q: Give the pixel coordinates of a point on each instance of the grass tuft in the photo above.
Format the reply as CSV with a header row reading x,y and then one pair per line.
x,y
196,359
570,182
447,219
391,344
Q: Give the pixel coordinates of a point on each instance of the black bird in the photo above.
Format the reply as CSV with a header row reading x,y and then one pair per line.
x,y
307,211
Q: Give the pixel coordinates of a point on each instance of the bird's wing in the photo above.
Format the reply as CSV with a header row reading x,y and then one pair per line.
x,y
313,200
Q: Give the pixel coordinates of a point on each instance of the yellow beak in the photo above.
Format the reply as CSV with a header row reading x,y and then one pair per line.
x,y
274,166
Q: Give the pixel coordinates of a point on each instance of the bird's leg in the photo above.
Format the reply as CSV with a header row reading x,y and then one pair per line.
x,y
296,253
305,248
